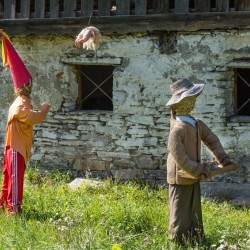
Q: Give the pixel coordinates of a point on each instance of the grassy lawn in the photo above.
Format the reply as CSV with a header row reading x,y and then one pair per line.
x,y
109,216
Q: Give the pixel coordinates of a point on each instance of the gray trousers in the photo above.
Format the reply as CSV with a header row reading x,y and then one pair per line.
x,y
185,216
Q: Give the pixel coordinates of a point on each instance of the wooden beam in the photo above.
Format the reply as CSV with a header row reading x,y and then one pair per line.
x,y
25,8
54,8
160,6
166,8
141,7
181,6
242,5
222,5
80,87
122,7
87,7
104,7
69,8
202,5
39,8
9,9
131,24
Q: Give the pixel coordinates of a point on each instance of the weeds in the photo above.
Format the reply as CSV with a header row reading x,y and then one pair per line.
x,y
112,215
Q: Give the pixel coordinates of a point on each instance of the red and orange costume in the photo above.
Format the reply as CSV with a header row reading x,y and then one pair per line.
x,y
19,131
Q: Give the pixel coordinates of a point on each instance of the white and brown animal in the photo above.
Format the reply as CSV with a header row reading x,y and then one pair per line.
x,y
89,38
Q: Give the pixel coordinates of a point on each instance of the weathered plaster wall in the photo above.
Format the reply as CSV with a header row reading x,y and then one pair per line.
x,y
131,141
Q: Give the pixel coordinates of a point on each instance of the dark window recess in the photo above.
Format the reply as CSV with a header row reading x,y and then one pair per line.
x,y
95,87
242,92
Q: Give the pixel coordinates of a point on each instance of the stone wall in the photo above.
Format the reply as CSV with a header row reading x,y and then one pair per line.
x,y
131,141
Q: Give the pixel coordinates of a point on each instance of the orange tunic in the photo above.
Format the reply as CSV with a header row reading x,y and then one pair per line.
x,y
19,130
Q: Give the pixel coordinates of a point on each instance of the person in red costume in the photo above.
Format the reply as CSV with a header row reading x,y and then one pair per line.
x,y
19,129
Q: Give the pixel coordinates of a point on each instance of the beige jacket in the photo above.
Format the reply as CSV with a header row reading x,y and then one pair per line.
x,y
182,147
19,130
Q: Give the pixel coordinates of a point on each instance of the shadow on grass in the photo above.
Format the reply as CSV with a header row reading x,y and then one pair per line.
x,y
38,215
227,200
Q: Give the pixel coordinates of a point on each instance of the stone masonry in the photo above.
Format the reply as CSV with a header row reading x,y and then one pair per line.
x,y
130,142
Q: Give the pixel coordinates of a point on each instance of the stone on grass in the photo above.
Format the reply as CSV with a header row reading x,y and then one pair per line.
x,y
77,182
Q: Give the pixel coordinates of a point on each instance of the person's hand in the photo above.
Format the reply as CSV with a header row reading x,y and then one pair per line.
x,y
207,168
45,105
224,161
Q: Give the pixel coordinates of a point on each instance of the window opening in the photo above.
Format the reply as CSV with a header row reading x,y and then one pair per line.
x,y
242,92
95,87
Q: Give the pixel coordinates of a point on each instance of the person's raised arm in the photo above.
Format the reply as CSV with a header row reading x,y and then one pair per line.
x,y
32,117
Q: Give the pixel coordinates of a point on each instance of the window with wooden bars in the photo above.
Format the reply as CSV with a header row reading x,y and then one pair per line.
x,y
95,90
242,91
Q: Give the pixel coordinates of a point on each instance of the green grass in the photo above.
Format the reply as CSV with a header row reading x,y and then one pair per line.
x,y
126,216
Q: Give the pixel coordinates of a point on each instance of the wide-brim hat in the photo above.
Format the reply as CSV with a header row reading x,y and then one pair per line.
x,y
183,88
11,59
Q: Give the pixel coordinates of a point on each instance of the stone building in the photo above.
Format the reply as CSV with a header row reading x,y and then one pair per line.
x,y
108,115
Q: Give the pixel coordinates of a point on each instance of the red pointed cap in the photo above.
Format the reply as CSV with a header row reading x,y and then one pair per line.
x,y
19,72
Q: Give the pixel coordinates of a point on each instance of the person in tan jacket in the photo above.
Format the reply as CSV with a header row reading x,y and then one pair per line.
x,y
19,130
184,146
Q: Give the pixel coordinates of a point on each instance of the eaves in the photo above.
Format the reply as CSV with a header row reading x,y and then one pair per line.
x,y
130,24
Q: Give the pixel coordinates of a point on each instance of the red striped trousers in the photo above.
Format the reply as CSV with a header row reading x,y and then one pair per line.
x,y
13,179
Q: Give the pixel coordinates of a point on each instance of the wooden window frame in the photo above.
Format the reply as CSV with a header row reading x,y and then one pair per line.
x,y
236,117
81,97
238,75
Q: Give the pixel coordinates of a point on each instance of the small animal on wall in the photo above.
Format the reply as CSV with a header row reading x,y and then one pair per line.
x,y
89,37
